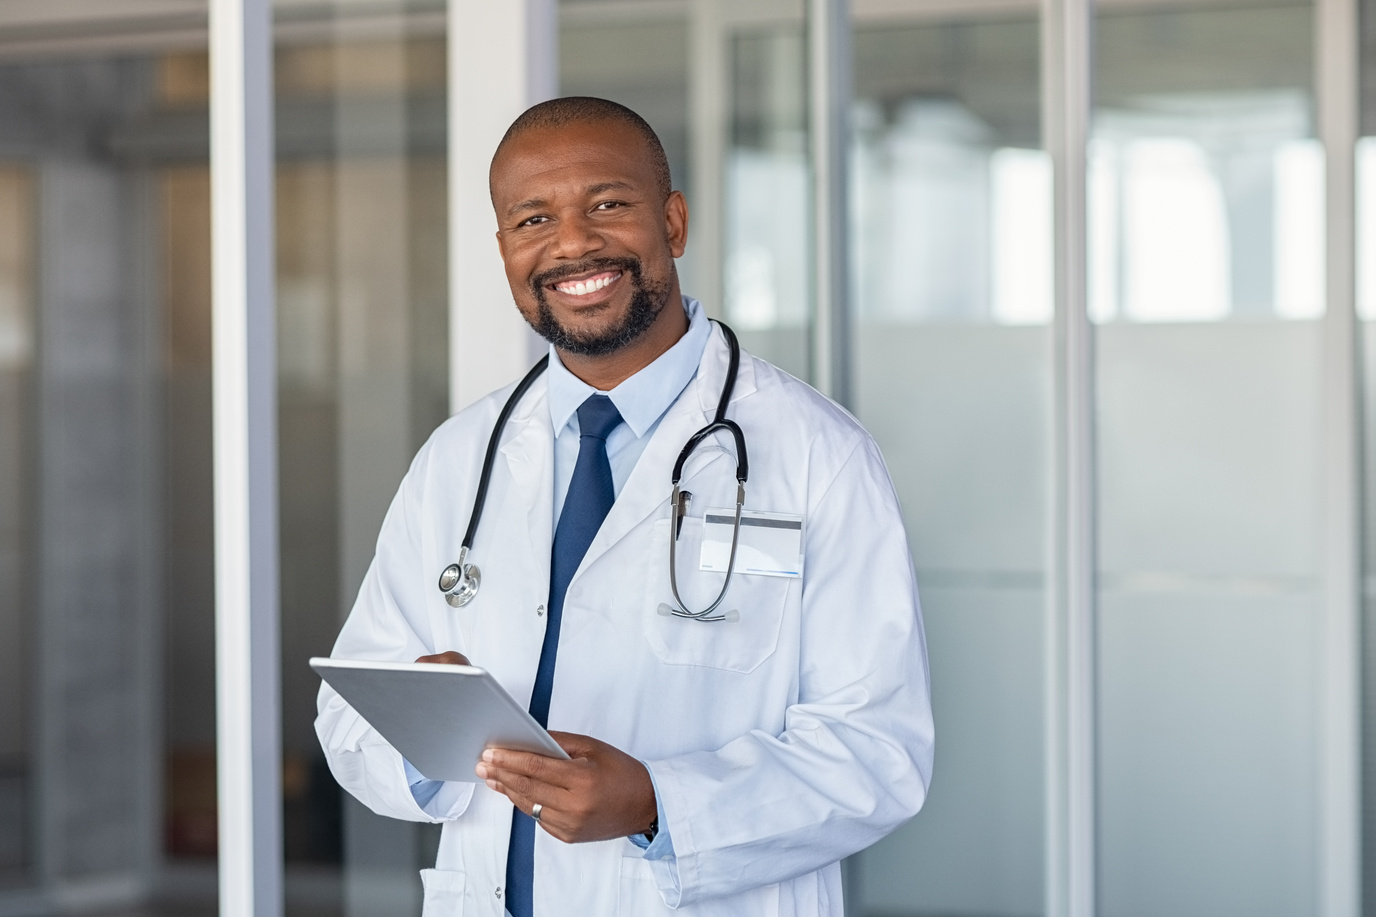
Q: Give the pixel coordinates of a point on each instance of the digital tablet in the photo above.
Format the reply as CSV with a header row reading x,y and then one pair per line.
x,y
440,717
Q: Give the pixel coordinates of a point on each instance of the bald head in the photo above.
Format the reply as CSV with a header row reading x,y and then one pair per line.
x,y
585,110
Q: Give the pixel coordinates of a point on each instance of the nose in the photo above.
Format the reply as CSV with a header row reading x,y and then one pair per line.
x,y
576,237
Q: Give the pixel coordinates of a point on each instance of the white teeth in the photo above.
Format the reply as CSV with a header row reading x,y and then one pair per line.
x,y
584,287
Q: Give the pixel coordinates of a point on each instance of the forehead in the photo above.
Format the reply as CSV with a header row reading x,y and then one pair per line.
x,y
568,158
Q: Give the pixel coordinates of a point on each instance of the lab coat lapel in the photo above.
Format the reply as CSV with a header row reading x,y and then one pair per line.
x,y
648,488
529,456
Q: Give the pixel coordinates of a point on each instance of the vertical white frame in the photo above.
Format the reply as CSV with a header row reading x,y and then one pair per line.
x,y
707,136
248,693
1338,857
829,99
1071,778
503,58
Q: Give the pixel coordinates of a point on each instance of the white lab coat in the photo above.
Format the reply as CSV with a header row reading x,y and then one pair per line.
x,y
779,743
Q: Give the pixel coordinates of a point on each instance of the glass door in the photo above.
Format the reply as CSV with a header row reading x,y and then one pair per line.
x,y
1206,192
107,782
362,325
951,308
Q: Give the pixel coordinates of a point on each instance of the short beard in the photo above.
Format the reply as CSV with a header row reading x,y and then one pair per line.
x,y
648,299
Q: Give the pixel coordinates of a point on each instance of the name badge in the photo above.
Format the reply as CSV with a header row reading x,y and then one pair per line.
x,y
770,544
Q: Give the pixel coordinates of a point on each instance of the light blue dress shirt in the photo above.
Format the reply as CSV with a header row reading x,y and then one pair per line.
x,y
643,400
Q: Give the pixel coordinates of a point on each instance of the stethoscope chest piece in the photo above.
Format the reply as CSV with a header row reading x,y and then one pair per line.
x,y
459,582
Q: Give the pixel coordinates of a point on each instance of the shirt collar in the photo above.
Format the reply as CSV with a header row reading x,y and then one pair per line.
x,y
643,398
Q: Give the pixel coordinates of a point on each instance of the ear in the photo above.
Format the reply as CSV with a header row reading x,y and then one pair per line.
x,y
676,222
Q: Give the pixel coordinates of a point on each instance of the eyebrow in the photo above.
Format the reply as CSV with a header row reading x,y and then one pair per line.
x,y
537,203
609,186
534,203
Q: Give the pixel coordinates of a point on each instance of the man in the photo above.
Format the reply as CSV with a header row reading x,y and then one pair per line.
x,y
720,767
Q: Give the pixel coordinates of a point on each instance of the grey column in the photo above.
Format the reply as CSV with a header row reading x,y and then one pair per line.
x,y
97,760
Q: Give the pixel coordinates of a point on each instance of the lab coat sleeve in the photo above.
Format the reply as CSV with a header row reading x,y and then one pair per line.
x,y
387,623
855,758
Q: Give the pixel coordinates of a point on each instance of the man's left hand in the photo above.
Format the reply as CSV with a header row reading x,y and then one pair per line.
x,y
601,793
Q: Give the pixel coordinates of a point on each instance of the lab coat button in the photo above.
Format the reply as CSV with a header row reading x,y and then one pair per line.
x,y
540,611
499,891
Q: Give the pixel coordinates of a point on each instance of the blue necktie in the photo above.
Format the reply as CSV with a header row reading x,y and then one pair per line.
x,y
590,497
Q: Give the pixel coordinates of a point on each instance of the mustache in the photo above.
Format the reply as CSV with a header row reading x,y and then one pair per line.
x,y
588,265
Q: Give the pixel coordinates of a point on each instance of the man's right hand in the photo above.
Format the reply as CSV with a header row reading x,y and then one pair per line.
x,y
449,658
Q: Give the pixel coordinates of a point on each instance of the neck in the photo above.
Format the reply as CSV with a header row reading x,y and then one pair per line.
x,y
607,371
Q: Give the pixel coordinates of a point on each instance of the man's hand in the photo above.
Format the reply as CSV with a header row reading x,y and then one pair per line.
x,y
449,658
602,793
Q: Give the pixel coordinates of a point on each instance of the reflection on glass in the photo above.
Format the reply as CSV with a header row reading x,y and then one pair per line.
x,y
952,234
1366,228
190,797
766,196
1206,194
949,225
1206,200
101,726
1366,312
16,528
951,197
362,293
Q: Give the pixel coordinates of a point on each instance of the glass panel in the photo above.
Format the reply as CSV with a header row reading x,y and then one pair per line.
x,y
1205,177
1366,313
1206,196
362,292
951,226
106,608
738,152
16,526
767,284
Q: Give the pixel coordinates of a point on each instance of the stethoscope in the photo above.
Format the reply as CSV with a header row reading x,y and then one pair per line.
x,y
460,581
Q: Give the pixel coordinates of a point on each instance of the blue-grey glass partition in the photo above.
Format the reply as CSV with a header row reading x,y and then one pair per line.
x,y
17,344
951,230
363,362
96,709
1207,281
765,193
1366,313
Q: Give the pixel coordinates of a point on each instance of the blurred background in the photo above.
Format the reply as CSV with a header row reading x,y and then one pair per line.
x,y
1206,267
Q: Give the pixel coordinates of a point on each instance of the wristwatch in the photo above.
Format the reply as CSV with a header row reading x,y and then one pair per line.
x,y
650,832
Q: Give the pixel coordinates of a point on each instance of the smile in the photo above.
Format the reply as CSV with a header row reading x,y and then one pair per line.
x,y
586,286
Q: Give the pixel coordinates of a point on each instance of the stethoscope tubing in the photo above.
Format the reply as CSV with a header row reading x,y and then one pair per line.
x,y
460,581
490,457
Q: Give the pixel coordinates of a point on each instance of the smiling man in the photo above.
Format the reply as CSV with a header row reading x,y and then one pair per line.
x,y
726,748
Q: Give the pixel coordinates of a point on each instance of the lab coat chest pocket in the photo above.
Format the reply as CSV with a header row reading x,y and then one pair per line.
x,y
736,646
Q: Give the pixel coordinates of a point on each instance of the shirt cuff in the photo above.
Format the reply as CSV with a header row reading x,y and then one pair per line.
x,y
423,790
662,847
